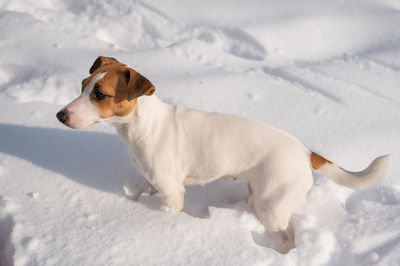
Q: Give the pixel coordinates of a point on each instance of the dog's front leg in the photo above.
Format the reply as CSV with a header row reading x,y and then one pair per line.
x,y
172,193
149,189
174,201
133,193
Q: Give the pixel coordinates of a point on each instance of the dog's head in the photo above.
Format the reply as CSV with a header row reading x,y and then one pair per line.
x,y
111,90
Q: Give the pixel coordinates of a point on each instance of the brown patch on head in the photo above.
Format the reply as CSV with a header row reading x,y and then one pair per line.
x,y
101,61
318,161
138,85
121,87
101,64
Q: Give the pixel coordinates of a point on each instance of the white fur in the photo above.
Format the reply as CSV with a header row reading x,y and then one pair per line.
x,y
173,146
356,180
82,113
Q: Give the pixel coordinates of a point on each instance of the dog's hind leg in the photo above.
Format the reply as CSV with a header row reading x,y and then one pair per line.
x,y
275,196
276,222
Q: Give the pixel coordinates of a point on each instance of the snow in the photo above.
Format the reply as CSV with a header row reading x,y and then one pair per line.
x,y
324,71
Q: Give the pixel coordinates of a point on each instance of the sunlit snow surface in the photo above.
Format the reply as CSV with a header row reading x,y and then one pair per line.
x,y
327,72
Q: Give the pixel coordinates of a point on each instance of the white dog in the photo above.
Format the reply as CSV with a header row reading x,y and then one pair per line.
x,y
174,146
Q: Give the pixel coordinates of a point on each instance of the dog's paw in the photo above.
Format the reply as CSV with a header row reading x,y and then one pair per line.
x,y
167,209
149,189
132,194
285,247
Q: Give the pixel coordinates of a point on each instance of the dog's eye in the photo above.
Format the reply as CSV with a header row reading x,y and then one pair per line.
x,y
99,95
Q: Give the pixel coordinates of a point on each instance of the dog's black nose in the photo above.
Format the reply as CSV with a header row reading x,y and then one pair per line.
x,y
62,116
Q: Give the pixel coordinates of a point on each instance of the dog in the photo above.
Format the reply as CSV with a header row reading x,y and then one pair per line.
x,y
174,146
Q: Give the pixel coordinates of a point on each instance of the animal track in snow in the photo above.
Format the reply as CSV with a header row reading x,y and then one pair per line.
x,y
253,96
30,243
300,83
368,78
11,75
233,41
33,195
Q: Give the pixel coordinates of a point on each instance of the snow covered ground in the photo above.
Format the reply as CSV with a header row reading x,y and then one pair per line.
x,y
328,72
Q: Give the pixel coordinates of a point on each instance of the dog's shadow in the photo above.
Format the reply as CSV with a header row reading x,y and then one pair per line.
x,y
101,161
93,159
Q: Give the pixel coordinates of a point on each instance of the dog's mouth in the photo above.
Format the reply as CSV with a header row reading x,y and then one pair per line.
x,y
82,126
67,118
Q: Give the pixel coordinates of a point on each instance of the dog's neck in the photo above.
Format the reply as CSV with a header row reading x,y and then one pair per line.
x,y
144,120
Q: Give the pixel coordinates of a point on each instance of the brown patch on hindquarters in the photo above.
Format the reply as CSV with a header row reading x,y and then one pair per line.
x,y
318,161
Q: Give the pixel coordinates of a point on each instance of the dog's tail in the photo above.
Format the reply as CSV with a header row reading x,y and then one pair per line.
x,y
354,180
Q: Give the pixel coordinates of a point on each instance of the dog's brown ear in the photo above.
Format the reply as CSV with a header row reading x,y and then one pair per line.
x,y
137,85
101,61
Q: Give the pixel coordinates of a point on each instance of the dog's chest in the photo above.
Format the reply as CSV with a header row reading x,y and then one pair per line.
x,y
126,136
139,149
